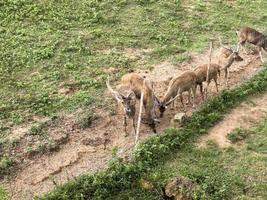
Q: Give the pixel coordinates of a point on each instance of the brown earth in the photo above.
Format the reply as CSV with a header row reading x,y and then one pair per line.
x,y
89,150
244,116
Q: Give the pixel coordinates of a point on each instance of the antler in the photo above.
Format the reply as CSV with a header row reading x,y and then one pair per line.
x,y
230,49
237,48
116,94
169,102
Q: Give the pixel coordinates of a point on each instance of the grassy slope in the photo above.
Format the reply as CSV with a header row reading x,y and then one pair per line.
x,y
45,45
48,44
238,173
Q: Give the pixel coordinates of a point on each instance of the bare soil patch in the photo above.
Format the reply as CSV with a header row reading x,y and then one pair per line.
x,y
244,116
88,150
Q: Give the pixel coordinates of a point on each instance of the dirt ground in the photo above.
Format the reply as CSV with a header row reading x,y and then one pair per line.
x,y
244,116
89,150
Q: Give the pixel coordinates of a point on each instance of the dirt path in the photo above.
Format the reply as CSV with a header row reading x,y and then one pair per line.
x,y
89,150
243,116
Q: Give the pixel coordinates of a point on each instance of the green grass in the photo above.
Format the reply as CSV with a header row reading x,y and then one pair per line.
x,y
3,194
217,173
237,135
46,45
49,45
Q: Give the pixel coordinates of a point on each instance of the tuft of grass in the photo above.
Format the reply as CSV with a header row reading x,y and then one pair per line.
x,y
3,194
85,120
38,129
237,135
6,164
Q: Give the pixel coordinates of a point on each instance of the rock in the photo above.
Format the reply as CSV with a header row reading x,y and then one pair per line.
x,y
179,119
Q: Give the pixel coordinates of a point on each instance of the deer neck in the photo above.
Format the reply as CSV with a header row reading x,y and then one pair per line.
x,y
229,62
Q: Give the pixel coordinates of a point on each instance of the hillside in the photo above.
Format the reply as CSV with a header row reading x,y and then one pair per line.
x,y
57,120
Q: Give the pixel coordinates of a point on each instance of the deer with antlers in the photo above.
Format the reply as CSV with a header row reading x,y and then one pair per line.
x,y
201,73
250,35
126,94
227,56
206,73
185,82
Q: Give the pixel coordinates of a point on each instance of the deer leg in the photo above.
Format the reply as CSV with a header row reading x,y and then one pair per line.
x,y
206,89
125,125
201,91
194,94
189,97
260,52
182,101
227,78
134,126
216,84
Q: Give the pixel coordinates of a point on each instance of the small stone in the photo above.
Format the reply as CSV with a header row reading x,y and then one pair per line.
x,y
180,118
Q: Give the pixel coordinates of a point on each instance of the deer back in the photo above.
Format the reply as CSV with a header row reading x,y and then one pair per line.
x,y
252,36
181,83
201,72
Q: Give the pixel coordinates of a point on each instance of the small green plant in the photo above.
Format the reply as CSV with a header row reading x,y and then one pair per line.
x,y
6,164
39,129
3,194
86,119
237,135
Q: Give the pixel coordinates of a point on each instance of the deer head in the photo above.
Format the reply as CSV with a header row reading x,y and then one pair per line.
x,y
164,105
128,101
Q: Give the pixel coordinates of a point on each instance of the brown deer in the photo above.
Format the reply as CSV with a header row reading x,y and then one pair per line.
x,y
201,73
185,82
130,89
226,58
250,35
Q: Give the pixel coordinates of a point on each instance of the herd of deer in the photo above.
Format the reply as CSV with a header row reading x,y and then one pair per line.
x,y
134,86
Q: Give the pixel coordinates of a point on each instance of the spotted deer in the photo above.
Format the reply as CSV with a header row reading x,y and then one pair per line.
x,y
252,36
126,94
227,56
184,82
201,73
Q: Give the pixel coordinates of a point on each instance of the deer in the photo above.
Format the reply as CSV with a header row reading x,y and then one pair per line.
x,y
201,73
126,94
184,82
227,56
252,36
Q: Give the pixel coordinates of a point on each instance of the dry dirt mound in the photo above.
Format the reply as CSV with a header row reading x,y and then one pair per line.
x,y
90,149
243,116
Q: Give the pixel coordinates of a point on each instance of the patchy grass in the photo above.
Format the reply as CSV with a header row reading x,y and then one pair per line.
x,y
46,45
86,119
3,194
6,164
237,135
217,174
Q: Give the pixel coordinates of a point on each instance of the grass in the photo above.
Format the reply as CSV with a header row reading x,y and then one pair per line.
x,y
50,45
237,135
3,194
86,119
46,45
217,173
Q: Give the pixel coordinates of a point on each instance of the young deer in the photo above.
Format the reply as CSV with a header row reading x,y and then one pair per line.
x,y
250,35
226,58
185,82
130,89
201,73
